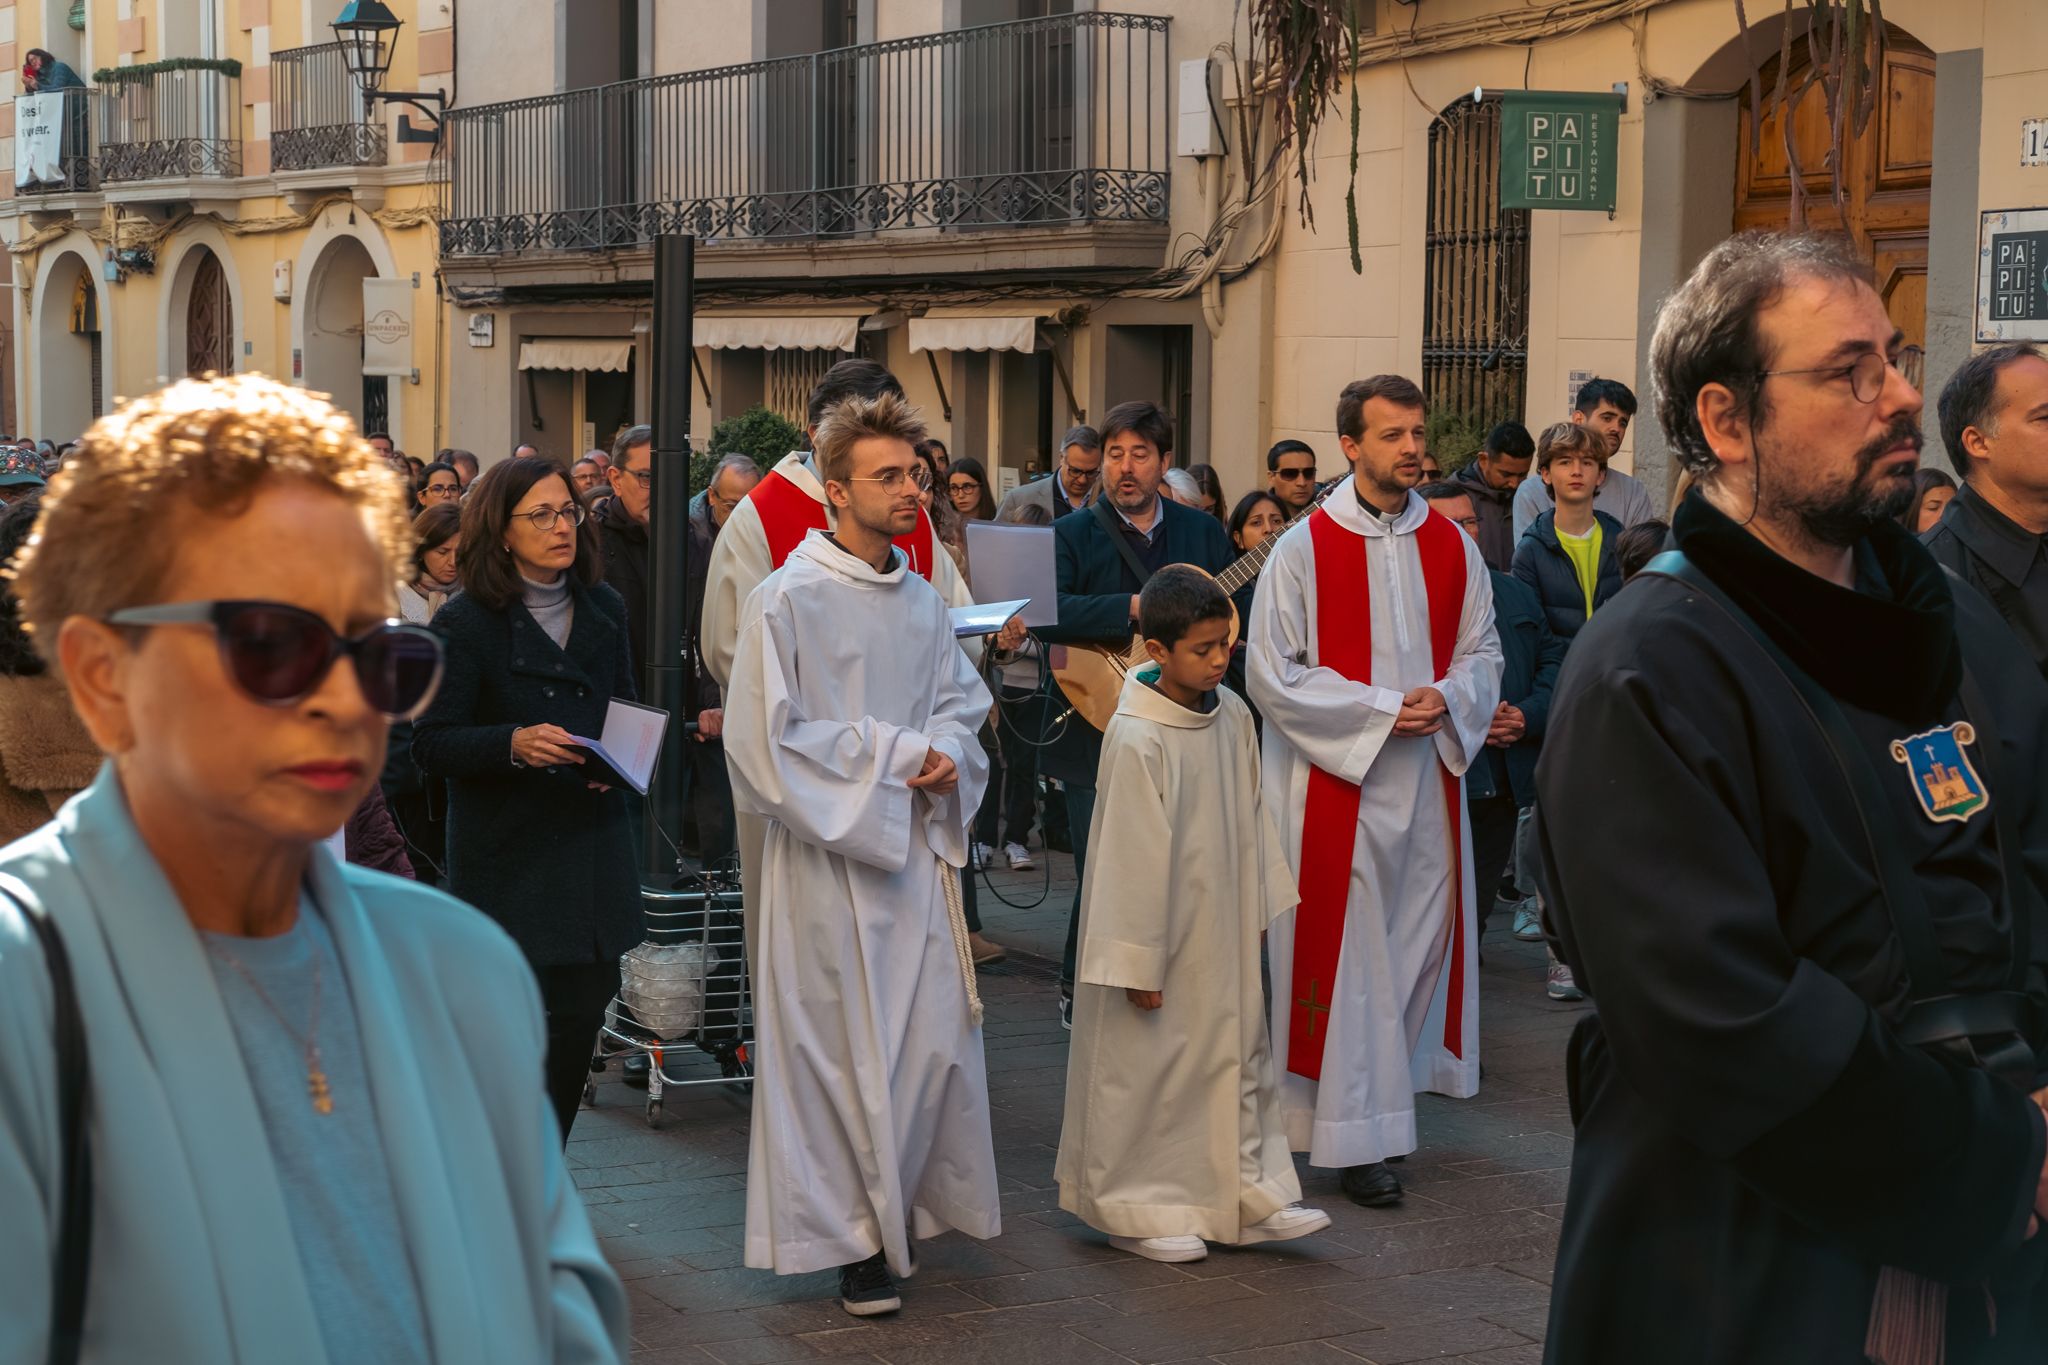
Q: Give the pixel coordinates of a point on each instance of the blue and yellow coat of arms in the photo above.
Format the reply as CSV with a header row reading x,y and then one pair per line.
x,y
1943,778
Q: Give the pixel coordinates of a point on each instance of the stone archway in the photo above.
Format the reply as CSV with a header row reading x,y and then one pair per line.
x,y
69,358
333,348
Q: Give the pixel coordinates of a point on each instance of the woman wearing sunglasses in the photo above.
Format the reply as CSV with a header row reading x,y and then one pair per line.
x,y
537,650
293,1155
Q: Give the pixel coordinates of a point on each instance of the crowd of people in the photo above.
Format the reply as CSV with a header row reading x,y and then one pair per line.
x,y
1763,776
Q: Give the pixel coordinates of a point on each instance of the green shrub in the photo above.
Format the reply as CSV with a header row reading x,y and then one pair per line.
x,y
1455,438
760,433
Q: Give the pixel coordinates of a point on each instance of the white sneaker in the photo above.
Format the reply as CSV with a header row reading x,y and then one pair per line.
x,y
1164,1248
1284,1226
1019,856
981,854
1528,923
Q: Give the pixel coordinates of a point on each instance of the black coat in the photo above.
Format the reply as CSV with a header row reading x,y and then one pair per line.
x,y
2001,559
534,848
624,542
1540,561
1530,655
1753,1141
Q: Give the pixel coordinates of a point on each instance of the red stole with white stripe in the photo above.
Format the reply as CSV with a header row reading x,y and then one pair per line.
x,y
1329,826
788,514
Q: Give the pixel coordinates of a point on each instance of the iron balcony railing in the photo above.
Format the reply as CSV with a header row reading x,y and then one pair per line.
x,y
54,154
318,116
1045,121
170,124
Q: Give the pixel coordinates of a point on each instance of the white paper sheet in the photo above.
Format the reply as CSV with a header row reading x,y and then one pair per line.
x,y
983,618
1006,562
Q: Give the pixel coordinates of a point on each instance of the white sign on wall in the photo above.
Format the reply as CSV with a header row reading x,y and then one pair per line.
x,y
2034,142
1574,381
387,327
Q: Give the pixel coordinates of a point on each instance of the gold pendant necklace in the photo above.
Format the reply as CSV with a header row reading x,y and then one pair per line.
x,y
316,1076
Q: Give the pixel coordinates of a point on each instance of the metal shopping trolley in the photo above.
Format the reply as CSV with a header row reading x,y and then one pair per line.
x,y
684,996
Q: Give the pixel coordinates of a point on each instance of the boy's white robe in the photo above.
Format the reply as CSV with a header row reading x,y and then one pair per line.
x,y
1386,1022
1173,1121
871,1115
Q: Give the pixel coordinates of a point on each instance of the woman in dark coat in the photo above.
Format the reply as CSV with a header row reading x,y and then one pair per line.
x,y
537,650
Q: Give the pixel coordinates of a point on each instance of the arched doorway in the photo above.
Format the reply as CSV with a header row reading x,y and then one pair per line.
x,y
69,355
1475,320
209,318
1886,173
334,335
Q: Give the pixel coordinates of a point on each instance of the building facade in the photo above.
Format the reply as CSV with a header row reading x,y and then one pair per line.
x,y
1034,209
217,196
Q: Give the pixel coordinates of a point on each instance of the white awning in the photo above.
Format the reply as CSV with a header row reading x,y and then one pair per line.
x,y
1008,327
575,353
769,332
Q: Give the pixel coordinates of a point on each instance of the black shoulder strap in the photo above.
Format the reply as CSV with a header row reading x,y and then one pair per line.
x,y
74,1225
1900,888
1106,514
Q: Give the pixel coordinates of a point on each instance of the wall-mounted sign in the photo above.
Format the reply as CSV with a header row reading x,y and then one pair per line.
x,y
281,281
2012,275
1558,149
1575,380
2034,142
482,329
387,327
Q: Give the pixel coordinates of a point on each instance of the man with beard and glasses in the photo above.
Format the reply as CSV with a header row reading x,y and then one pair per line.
x,y
1791,827
1103,556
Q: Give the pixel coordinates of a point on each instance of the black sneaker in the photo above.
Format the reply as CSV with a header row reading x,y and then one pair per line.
x,y
866,1287
1371,1185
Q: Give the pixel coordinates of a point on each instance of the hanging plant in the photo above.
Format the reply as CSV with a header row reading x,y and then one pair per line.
x,y
1307,48
142,71
1845,48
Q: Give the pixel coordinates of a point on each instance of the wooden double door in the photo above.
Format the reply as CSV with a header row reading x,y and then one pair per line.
x,y
1886,174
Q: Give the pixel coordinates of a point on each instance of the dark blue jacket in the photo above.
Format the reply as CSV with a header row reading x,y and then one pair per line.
x,y
1531,653
534,848
1095,587
1540,561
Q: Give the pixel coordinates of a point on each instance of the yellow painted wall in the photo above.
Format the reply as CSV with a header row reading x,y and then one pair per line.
x,y
143,328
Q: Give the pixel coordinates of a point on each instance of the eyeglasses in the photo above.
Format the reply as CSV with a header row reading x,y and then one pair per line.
x,y
1865,372
442,490
958,486
543,518
1086,476
279,655
917,477
646,476
1292,474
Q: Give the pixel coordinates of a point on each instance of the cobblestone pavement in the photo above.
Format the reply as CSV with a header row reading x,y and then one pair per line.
x,y
1460,1270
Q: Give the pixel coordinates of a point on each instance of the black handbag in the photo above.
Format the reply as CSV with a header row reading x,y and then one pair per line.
x,y
74,1086
1997,1031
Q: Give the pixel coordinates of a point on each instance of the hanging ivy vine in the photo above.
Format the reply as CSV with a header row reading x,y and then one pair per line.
x,y
142,71
1845,47
1307,49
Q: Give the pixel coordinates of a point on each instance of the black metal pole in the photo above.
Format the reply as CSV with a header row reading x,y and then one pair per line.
x,y
668,542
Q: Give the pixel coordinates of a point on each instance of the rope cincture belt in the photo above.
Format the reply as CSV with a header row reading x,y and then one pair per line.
x,y
956,917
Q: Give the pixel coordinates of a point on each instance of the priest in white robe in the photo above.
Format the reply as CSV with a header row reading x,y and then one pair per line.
x,y
1372,655
760,534
850,730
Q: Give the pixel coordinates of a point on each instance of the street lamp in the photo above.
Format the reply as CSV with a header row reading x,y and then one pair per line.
x,y
367,31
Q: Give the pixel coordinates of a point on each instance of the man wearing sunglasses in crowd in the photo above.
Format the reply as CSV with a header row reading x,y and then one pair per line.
x,y
289,1138
1074,483
1291,474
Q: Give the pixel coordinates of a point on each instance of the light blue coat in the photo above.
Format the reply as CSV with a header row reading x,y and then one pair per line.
x,y
193,1259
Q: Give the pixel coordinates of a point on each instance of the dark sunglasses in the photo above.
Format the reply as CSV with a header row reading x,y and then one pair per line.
x,y
1292,474
279,654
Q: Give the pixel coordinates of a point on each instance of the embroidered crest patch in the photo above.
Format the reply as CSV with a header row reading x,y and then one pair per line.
x,y
1943,777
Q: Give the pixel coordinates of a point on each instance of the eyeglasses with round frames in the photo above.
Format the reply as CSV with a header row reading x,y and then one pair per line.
x,y
917,477
442,490
543,518
1865,373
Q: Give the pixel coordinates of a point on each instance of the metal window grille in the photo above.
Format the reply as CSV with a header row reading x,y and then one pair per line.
x,y
791,375
1475,329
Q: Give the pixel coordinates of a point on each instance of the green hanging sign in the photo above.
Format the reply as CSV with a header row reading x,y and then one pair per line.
x,y
1558,149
